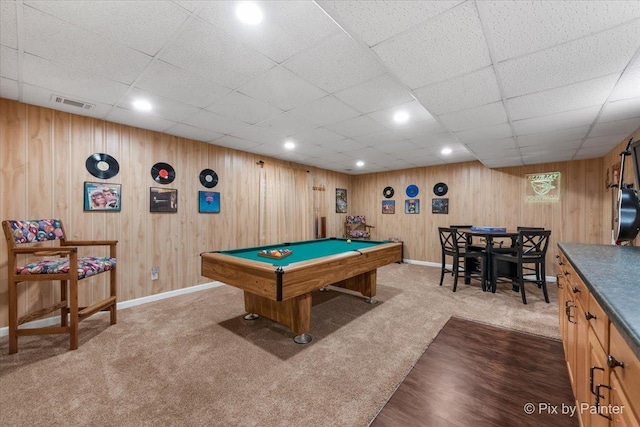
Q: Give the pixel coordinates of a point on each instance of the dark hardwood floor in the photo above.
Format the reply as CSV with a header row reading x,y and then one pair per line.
x,y
474,374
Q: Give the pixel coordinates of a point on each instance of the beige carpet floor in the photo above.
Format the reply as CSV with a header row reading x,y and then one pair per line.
x,y
193,361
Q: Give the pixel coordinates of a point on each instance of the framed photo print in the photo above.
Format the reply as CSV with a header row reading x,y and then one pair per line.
x,y
388,206
440,206
208,202
102,196
163,200
412,206
341,200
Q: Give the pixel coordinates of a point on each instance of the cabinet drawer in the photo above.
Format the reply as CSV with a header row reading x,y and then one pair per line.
x,y
629,375
599,323
575,287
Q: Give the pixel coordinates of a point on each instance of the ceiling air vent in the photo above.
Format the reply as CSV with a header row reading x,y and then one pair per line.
x,y
73,103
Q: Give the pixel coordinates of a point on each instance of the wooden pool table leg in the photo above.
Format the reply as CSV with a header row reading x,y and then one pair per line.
x,y
364,283
295,313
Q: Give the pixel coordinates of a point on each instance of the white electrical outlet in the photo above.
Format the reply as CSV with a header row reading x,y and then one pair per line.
x,y
154,273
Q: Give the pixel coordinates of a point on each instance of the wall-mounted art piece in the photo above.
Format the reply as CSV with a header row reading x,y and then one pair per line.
x,y
208,202
341,200
542,187
102,196
388,206
412,206
440,206
163,200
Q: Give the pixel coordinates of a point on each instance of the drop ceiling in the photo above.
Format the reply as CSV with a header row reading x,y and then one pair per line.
x,y
507,83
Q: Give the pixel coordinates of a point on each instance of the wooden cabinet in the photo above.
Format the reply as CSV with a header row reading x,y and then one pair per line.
x,y
604,371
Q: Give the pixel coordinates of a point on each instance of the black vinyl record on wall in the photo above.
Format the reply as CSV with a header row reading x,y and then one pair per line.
x,y
208,178
440,189
102,166
163,173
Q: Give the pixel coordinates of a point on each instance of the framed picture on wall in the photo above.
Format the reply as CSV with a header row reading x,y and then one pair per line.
x,y
440,206
341,200
163,200
388,206
208,202
102,196
412,206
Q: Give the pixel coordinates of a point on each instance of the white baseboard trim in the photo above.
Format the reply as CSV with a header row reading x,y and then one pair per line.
x,y
551,279
125,304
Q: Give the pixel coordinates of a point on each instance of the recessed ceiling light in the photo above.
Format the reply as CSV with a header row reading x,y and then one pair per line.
x,y
249,13
289,145
401,117
142,105
446,151
359,163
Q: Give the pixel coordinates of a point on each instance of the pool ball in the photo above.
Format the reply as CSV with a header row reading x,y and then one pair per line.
x,y
348,240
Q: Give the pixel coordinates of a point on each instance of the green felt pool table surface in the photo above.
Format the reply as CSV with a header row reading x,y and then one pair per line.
x,y
304,250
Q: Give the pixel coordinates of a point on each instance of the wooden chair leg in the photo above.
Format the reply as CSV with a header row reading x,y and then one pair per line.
x,y
113,287
13,317
73,311
64,312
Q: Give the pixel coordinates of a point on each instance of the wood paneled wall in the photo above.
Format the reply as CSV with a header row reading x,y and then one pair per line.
x,y
42,160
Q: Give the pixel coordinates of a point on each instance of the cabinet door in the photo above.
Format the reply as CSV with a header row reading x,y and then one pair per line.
x,y
598,374
621,413
582,389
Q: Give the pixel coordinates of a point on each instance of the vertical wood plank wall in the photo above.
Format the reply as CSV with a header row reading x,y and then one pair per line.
x,y
42,161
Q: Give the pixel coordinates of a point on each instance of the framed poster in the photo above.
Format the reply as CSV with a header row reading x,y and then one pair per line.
x,y
412,206
101,196
208,202
163,200
341,200
388,206
440,206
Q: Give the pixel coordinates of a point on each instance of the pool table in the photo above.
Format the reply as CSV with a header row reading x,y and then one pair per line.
x,y
280,288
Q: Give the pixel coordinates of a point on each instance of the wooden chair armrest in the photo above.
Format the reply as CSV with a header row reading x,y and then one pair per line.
x,y
90,242
369,226
41,252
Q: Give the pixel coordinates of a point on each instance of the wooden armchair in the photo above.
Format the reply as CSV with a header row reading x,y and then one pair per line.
x,y
356,227
54,263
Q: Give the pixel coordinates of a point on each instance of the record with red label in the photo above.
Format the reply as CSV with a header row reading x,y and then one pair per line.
x,y
102,166
163,173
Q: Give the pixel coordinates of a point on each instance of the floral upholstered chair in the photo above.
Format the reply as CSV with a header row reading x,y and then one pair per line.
x,y
45,262
356,227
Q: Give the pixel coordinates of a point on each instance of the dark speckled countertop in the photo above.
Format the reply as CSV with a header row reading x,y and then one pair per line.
x,y
612,274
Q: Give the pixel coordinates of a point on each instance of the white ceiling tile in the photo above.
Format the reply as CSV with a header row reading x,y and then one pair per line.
x,y
363,125
161,107
590,153
141,27
244,108
56,40
475,117
342,146
455,38
422,129
235,143
271,150
179,84
559,121
419,155
549,157
376,94
494,146
287,28
627,126
189,5
68,81
380,138
335,64
565,98
553,137
191,132
485,133
417,114
308,148
317,136
491,153
551,147
293,156
435,140
620,110
139,119
282,89
628,86
370,20
8,24
9,89
287,124
9,63
503,162
517,28
609,141
594,56
213,54
393,147
460,93
325,111
214,122
259,135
